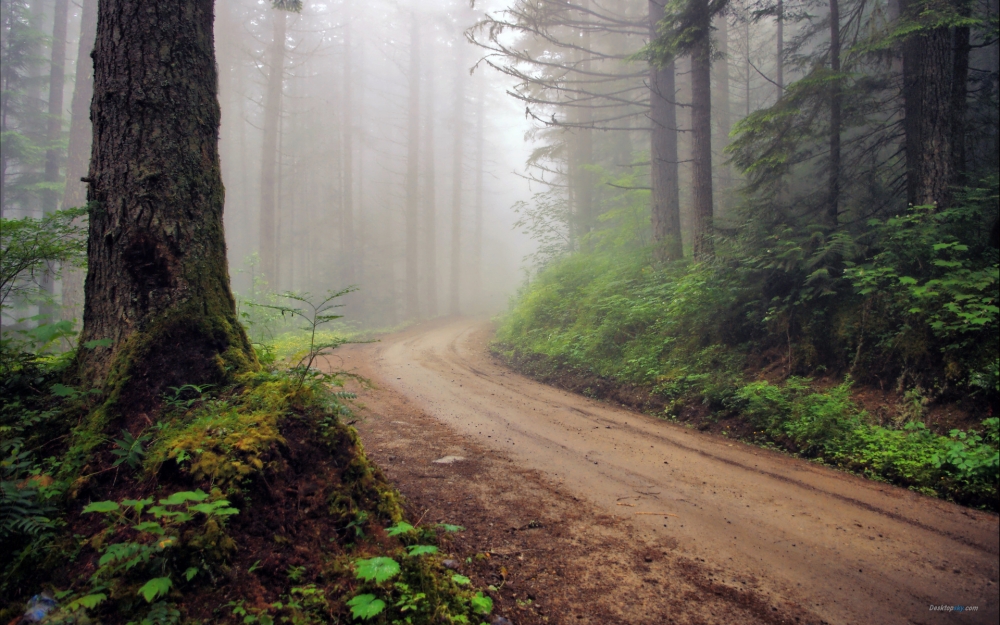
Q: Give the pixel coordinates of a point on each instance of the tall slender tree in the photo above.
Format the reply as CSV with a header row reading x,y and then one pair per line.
x,y
701,126
412,288
269,147
458,138
665,180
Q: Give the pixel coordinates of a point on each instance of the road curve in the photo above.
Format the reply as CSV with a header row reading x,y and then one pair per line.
x,y
846,549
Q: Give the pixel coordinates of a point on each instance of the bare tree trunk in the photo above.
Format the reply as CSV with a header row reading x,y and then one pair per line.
x,y
348,162
959,95
477,243
78,154
57,82
779,78
701,130
722,112
665,208
458,119
269,151
157,282
833,197
927,90
429,199
412,174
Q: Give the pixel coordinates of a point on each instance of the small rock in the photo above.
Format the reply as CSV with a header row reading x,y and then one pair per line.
x,y
500,620
449,460
451,564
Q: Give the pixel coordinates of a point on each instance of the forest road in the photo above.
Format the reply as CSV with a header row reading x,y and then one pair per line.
x,y
836,547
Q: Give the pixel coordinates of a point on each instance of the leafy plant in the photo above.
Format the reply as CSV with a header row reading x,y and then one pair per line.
x,y
378,569
129,449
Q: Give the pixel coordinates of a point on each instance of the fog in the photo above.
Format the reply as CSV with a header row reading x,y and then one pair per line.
x,y
383,157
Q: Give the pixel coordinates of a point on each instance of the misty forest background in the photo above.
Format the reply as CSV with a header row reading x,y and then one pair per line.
x,y
782,212
773,219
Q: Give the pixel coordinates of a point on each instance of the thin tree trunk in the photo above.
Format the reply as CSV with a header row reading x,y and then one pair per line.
x,y
665,208
429,198
269,151
57,83
701,130
477,243
458,119
157,282
779,78
722,112
959,95
78,154
412,175
833,197
348,162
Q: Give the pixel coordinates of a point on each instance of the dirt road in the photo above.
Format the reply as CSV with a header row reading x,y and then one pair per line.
x,y
765,529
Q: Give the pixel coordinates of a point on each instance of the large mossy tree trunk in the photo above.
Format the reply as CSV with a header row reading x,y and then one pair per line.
x,y
701,129
157,288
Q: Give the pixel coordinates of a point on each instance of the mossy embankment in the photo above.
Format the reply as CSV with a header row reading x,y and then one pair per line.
x,y
855,378
252,503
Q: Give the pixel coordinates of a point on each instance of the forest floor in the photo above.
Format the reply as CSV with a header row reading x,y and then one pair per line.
x,y
579,511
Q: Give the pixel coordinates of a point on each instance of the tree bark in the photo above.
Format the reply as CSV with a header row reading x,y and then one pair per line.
x,y
927,94
458,119
348,161
701,130
833,193
779,78
665,206
959,95
78,152
412,175
722,113
158,283
57,82
429,200
269,150
477,242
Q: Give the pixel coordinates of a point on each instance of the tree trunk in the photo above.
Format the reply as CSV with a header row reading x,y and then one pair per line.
x,y
477,242
833,193
269,151
701,130
959,95
57,82
722,113
78,154
927,94
779,78
157,283
348,162
429,200
458,119
665,208
412,175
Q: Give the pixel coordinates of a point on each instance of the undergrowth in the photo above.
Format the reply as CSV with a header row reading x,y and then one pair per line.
x,y
759,333
253,503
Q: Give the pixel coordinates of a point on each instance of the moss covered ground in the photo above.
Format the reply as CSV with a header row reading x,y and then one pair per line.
x,y
251,502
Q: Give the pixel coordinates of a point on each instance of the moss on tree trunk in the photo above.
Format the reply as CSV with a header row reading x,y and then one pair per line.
x,y
157,283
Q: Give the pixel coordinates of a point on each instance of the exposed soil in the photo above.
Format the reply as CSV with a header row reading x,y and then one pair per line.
x,y
581,512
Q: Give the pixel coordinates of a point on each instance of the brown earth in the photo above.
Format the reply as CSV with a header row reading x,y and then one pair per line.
x,y
581,512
